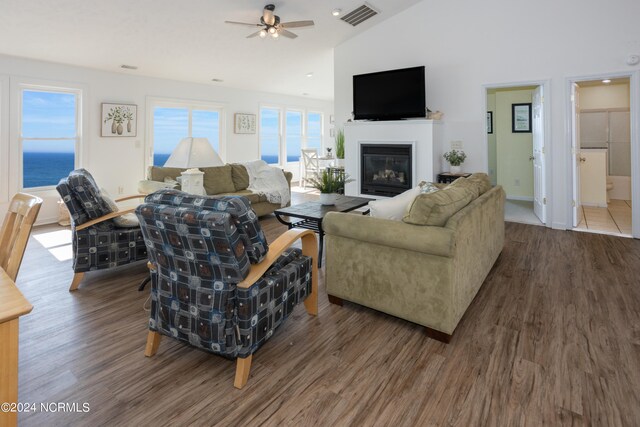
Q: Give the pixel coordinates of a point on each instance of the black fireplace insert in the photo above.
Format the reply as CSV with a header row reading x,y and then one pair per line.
x,y
385,169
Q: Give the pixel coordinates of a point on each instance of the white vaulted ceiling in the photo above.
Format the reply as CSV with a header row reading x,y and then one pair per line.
x,y
188,39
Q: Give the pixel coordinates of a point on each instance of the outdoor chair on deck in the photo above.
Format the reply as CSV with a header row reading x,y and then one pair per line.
x,y
215,282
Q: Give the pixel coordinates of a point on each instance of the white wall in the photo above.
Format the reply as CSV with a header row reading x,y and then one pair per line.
x,y
604,96
116,162
526,41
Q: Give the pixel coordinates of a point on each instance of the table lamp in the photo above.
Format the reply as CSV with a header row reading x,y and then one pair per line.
x,y
193,153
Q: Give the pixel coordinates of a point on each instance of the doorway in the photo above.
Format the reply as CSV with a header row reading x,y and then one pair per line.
x,y
516,125
601,142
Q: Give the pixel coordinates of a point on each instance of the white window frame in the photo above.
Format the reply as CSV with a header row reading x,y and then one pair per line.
x,y
303,133
16,178
4,139
280,130
321,130
282,137
190,105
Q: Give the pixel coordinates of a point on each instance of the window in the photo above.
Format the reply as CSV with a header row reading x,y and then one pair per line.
x,y
270,135
174,121
49,135
314,131
293,135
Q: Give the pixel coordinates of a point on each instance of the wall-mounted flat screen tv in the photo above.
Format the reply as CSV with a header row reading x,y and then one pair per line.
x,y
390,95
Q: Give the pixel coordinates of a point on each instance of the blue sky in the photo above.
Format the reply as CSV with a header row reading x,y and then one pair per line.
x,y
48,115
170,125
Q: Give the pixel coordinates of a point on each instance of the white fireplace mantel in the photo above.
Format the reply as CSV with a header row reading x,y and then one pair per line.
x,y
425,136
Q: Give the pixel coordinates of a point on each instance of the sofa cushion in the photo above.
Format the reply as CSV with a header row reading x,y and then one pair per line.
x,y
128,220
218,180
393,208
483,180
473,186
159,173
437,207
250,195
240,176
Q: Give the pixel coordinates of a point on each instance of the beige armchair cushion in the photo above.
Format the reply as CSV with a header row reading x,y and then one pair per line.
x,y
436,208
218,180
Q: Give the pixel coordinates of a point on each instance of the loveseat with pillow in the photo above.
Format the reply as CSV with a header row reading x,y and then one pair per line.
x,y
425,268
228,180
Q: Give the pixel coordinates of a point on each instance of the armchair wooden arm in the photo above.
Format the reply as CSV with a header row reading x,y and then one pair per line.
x,y
133,196
104,218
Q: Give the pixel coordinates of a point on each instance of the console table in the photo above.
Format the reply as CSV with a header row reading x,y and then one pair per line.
x,y
448,177
12,305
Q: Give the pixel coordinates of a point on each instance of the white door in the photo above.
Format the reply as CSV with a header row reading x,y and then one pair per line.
x,y
575,150
539,197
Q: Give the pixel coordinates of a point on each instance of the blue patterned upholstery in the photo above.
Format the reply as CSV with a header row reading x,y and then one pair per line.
x,y
202,247
103,245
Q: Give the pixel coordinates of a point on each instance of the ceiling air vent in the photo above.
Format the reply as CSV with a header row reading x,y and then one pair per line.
x,y
359,15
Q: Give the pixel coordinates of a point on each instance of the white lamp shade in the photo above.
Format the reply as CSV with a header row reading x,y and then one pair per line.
x,y
194,153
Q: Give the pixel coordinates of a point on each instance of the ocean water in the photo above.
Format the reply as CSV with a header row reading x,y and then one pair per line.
x,y
159,159
44,169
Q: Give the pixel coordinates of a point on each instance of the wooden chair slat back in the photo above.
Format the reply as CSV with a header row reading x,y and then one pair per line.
x,y
15,231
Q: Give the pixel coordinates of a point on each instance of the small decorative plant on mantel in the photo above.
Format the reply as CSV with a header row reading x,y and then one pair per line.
x,y
455,158
330,184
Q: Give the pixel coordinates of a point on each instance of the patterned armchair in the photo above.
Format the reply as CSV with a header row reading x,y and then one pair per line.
x,y
215,283
97,241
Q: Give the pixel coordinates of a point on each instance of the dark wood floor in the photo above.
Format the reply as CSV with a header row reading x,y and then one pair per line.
x,y
553,337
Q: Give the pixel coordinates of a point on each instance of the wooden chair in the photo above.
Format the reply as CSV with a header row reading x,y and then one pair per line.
x,y
215,282
16,228
311,164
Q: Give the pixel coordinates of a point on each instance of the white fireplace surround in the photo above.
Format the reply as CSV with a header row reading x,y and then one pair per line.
x,y
423,136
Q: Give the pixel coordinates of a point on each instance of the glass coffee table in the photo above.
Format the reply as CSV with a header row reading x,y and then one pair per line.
x,y
311,214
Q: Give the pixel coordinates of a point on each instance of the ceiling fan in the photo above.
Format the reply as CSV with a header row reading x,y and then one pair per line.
x,y
272,26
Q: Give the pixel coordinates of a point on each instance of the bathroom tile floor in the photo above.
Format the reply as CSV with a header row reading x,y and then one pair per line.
x,y
520,211
614,219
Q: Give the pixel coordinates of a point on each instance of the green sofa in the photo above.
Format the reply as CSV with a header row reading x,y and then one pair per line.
x,y
425,274
227,180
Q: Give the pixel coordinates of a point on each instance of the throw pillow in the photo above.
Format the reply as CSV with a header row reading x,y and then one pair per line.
x,y
436,208
473,186
240,176
393,208
129,220
218,180
427,187
483,181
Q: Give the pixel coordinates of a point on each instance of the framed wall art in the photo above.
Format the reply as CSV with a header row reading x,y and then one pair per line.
x,y
119,119
521,118
245,123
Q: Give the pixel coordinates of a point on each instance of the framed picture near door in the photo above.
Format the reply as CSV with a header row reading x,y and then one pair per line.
x,y
521,118
489,121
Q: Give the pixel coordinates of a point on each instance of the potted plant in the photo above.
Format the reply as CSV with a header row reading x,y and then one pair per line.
x,y
455,159
340,148
330,184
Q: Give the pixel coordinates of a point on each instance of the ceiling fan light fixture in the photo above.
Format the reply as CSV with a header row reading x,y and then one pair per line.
x,y
275,35
272,30
263,34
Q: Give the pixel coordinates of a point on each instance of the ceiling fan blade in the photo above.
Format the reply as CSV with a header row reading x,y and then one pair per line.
x,y
253,34
243,23
297,24
287,34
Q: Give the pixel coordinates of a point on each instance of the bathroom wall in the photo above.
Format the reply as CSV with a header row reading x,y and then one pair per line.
x,y
614,98
514,169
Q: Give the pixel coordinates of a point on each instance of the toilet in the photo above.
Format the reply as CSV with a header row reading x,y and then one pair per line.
x,y
609,188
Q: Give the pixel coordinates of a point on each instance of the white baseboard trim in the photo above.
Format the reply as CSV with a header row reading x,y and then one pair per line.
x,y
560,226
520,198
